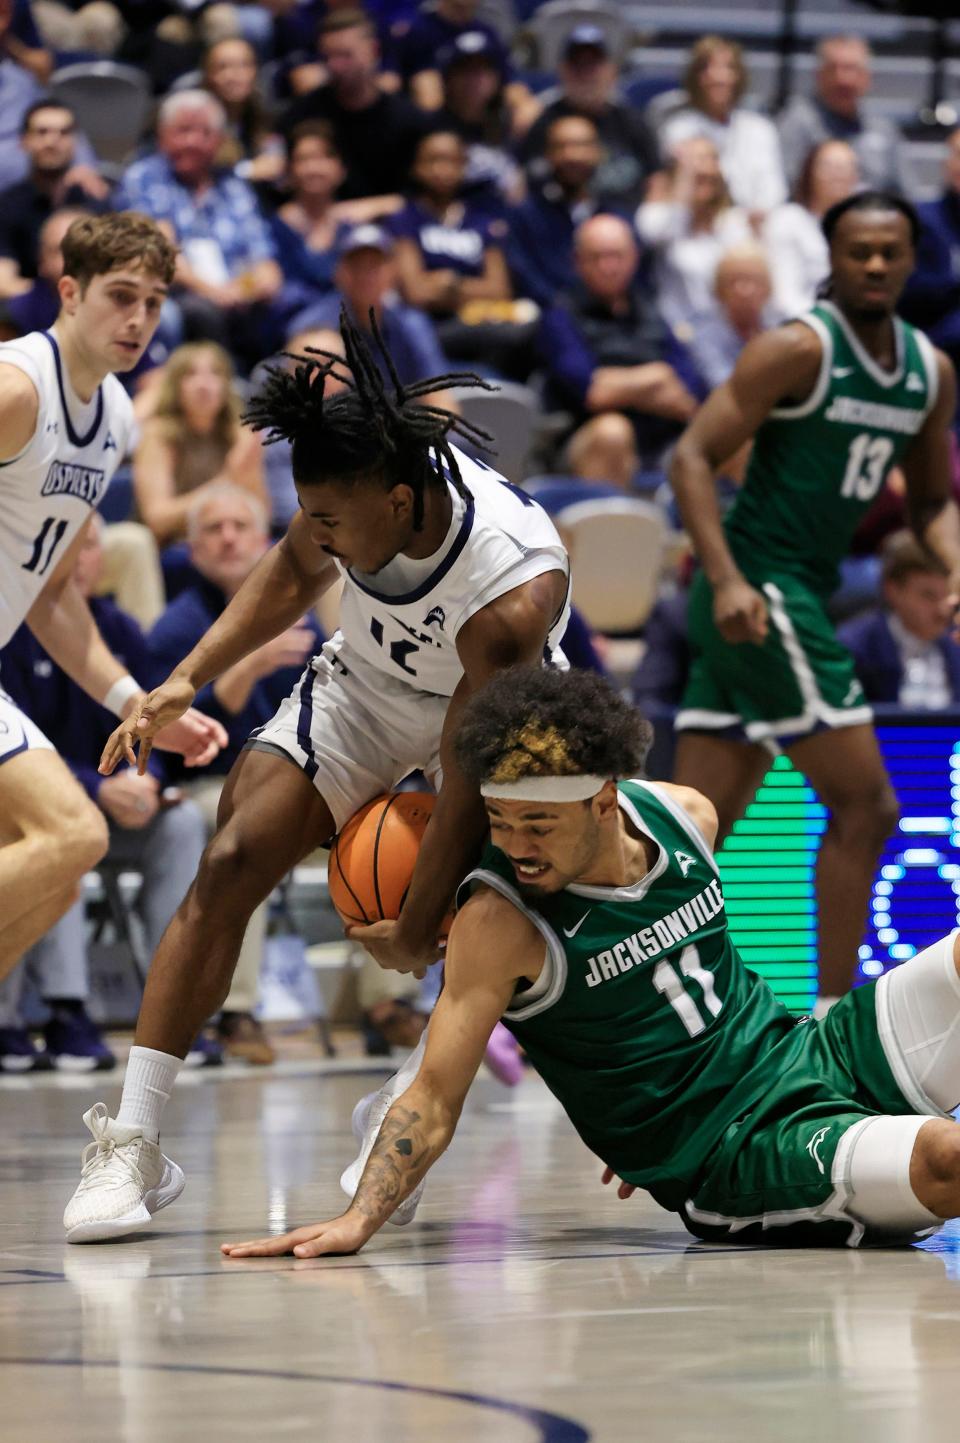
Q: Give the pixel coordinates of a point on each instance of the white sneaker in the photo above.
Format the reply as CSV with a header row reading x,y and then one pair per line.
x,y
123,1182
365,1122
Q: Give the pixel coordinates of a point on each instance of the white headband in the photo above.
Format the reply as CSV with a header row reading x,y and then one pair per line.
x,y
546,789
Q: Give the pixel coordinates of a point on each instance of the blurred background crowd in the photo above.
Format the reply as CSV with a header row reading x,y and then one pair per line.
x,y
594,204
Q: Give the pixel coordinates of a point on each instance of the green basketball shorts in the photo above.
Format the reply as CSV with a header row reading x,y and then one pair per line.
x,y
799,680
782,1174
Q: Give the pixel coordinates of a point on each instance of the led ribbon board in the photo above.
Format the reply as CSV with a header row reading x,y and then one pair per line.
x,y
768,862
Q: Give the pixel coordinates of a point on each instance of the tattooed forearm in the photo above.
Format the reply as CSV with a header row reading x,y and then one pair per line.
x,y
400,1157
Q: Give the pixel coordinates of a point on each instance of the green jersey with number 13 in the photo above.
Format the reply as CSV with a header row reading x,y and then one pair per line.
x,y
644,1021
816,467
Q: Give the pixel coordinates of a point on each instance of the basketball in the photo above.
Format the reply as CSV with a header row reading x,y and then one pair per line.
x,y
372,859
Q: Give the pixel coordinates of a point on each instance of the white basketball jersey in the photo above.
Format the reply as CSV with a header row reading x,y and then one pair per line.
x,y
498,539
49,490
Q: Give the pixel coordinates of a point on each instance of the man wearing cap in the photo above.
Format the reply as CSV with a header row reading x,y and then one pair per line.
x,y
588,86
434,31
375,132
475,106
365,277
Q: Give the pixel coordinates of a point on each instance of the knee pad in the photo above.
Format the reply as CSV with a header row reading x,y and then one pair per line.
x,y
878,1176
918,1018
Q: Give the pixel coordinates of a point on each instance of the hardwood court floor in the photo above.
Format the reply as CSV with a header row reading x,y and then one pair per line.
x,y
528,1304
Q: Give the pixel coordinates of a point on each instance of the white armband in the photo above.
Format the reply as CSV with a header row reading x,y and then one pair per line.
x,y
120,693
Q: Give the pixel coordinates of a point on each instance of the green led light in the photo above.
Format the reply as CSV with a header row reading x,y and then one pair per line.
x,y
767,870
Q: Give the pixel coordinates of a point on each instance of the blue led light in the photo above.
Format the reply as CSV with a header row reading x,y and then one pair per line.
x,y
916,894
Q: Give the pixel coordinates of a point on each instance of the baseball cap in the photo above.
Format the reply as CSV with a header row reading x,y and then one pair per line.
x,y
365,238
583,36
468,45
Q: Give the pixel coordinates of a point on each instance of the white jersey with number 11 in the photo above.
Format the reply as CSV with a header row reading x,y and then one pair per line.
x,y
48,491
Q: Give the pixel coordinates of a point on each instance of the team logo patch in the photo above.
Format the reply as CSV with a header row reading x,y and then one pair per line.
x,y
684,861
814,1144
435,614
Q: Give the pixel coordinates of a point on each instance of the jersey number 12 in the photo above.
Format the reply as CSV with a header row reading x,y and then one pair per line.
x,y
45,544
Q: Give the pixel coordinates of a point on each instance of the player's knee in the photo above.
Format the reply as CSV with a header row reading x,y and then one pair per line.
x,y
935,1168
84,837
865,816
230,866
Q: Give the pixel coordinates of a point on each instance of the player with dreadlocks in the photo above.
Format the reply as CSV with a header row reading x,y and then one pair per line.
x,y
450,574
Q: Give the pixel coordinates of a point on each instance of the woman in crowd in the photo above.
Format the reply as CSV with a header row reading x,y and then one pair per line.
x,y
450,260
251,146
194,437
747,143
448,249
307,227
690,229
797,248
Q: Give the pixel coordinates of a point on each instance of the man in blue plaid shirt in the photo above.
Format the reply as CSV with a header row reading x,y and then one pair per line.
x,y
227,279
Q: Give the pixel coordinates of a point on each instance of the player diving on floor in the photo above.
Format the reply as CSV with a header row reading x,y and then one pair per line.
x,y
594,926
450,575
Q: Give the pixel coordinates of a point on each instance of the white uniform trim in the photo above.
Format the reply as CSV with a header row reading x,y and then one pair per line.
x,y
815,709
685,820
696,717
929,357
807,407
883,378
881,1201
553,976
638,889
833,1210
17,732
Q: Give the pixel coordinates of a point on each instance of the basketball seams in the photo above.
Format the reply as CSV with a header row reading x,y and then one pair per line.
x,y
376,852
372,859
335,856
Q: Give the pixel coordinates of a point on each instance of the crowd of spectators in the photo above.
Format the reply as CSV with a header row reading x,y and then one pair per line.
x,y
612,251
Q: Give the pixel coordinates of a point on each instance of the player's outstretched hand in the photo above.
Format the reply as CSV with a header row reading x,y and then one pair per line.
x,y
389,949
740,612
345,1234
164,718
625,1190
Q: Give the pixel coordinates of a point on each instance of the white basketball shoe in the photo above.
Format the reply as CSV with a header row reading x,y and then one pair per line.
x,y
124,1180
367,1118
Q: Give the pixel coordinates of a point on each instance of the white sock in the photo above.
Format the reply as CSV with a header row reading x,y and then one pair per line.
x,y
146,1088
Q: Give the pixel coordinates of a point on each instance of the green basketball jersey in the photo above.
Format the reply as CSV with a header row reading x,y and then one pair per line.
x,y
644,1022
816,467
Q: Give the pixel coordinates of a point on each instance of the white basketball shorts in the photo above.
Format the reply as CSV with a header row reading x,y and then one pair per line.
x,y
355,731
18,733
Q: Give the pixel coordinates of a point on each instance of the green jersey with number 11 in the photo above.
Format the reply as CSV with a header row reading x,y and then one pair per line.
x,y
816,467
644,1022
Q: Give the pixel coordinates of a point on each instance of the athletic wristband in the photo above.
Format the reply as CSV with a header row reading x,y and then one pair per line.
x,y
120,693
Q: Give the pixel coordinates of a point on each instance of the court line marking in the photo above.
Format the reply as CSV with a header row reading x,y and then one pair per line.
x,y
25,1277
551,1427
